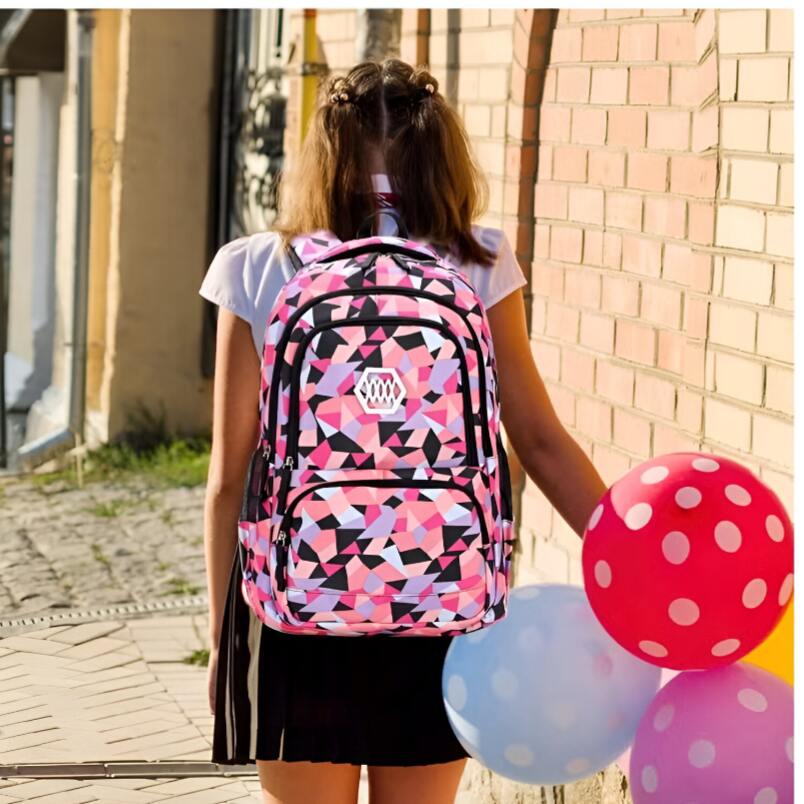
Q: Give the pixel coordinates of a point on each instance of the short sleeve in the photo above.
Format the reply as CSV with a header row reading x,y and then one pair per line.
x,y
226,281
496,281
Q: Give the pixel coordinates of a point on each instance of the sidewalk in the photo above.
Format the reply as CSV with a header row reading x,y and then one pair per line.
x,y
106,709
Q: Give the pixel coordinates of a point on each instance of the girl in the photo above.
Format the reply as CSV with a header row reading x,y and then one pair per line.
x,y
310,710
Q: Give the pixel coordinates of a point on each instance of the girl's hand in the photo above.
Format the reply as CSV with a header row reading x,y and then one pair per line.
x,y
212,677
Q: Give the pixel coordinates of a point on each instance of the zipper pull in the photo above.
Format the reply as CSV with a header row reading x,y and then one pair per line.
x,y
287,468
281,559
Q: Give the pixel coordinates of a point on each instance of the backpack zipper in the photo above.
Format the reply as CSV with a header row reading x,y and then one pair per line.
x,y
292,441
283,540
271,436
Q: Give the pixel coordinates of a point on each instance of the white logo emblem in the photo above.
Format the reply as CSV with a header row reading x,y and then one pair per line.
x,y
380,390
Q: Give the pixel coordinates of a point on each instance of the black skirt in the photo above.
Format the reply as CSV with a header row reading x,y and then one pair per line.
x,y
367,700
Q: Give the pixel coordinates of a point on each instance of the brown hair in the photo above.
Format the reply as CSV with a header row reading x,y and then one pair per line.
x,y
396,108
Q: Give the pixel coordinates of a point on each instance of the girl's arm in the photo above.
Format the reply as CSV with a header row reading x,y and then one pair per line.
x,y
547,452
235,427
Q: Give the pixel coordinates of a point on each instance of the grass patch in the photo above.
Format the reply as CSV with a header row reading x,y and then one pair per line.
x,y
198,657
179,585
99,555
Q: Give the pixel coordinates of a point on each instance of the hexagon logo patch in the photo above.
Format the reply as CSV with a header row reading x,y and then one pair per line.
x,y
380,391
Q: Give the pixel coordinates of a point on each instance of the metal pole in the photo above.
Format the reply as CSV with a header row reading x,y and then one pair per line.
x,y
309,71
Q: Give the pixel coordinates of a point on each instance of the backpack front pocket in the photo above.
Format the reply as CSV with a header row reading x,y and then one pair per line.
x,y
388,551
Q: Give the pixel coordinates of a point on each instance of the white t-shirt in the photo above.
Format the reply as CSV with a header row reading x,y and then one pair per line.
x,y
246,275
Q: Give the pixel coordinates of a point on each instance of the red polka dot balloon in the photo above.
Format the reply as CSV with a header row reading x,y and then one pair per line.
x,y
688,561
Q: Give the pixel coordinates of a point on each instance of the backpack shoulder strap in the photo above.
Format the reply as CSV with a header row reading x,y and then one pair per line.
x,y
305,248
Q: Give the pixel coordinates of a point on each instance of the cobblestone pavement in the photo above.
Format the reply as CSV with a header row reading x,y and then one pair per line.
x,y
93,698
99,545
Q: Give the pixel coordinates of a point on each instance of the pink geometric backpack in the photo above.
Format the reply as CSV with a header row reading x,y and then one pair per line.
x,y
378,499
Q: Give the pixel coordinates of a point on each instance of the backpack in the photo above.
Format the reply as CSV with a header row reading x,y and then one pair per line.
x,y
378,498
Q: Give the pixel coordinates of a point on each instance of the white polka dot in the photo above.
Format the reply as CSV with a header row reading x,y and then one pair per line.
x,y
701,754
737,494
578,765
664,717
788,748
725,647
505,684
728,536
688,497
786,589
754,593
637,516
473,637
774,527
766,796
457,692
683,611
676,547
526,592
530,639
603,574
653,648
595,518
650,779
654,475
519,755
562,714
705,465
752,700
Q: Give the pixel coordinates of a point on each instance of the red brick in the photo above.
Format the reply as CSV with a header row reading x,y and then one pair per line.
x,y
566,244
566,45
668,439
635,341
696,316
649,86
705,126
624,210
569,163
627,127
661,305
541,240
702,223
562,322
549,89
655,395
594,418
544,166
600,43
685,88
693,175
612,250
586,205
647,171
693,363
632,433
550,201
573,84
597,332
687,267
554,123
547,279
606,168
577,369
582,287
588,126
676,41
668,130
609,85
593,247
638,42
670,350
615,382
665,215
620,295
642,256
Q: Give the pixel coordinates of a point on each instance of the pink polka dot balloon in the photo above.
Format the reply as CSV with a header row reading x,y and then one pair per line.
x,y
688,561
714,737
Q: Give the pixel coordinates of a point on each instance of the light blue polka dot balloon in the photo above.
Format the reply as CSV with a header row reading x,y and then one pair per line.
x,y
545,695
